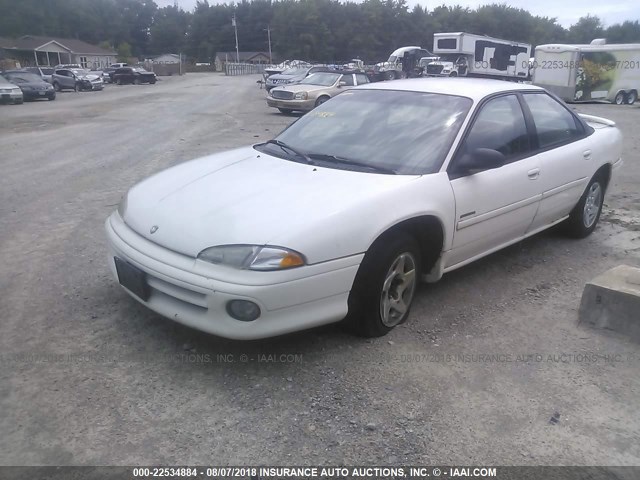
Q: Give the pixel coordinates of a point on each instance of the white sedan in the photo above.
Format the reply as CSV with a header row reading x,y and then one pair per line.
x,y
346,210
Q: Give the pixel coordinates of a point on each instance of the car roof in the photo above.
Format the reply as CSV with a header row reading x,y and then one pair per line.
x,y
474,88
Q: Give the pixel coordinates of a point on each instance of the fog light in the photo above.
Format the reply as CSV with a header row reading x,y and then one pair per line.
x,y
243,310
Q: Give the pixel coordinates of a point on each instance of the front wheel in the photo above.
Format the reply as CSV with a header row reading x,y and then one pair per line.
x,y
620,98
385,285
390,75
136,81
321,100
285,110
56,86
585,215
632,97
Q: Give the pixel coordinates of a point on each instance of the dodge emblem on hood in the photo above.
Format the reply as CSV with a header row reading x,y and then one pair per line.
x,y
154,229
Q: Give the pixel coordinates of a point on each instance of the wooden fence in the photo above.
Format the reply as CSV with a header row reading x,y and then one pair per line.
x,y
243,68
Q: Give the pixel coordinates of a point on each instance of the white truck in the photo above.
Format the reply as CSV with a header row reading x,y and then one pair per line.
x,y
586,73
467,55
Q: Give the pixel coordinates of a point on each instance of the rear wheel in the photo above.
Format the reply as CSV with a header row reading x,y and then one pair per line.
x,y
119,82
620,98
632,97
136,81
385,286
585,215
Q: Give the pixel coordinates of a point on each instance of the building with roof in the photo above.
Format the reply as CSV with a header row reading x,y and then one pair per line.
x,y
31,50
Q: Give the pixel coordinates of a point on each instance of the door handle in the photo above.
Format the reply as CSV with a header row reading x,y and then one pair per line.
x,y
533,173
586,154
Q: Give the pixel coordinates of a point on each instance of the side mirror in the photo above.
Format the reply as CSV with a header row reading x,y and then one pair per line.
x,y
479,160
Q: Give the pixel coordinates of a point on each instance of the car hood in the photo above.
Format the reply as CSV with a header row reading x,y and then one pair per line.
x,y
245,197
37,85
279,76
90,76
306,87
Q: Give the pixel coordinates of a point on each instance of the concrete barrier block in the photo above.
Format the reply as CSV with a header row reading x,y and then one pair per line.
x,y
611,301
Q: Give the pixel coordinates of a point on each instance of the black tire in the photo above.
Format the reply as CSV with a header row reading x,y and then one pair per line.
x,y
376,281
632,97
390,75
136,81
56,86
584,217
119,81
152,82
321,100
77,87
286,111
620,99
453,74
51,97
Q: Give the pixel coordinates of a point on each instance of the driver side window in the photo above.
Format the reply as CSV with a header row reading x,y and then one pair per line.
x,y
348,79
499,126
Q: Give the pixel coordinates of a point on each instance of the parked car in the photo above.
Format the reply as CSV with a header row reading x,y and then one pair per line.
x,y
118,65
314,90
107,74
76,79
394,182
32,85
292,75
135,75
43,72
9,93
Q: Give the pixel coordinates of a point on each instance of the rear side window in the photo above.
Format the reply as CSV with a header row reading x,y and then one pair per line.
x,y
348,79
499,126
554,123
361,78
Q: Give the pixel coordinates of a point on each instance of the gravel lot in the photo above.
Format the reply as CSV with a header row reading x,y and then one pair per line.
x,y
90,377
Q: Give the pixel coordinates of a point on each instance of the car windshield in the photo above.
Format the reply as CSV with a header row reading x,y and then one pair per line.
x,y
294,71
5,82
24,77
79,71
324,79
392,59
407,133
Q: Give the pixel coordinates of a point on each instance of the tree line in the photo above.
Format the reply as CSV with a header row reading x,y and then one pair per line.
x,y
315,30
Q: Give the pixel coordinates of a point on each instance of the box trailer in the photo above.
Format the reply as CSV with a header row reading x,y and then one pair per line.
x,y
586,73
467,55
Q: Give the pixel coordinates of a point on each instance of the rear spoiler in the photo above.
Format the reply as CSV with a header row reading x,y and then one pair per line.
x,y
594,119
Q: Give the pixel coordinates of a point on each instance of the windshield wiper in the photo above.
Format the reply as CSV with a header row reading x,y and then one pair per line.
x,y
348,161
285,147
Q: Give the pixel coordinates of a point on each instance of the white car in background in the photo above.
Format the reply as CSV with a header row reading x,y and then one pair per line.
x,y
347,209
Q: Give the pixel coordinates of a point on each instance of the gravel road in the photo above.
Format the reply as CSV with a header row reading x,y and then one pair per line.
x,y
89,377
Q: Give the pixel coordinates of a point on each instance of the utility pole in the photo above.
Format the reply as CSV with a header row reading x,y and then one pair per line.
x,y
269,37
233,22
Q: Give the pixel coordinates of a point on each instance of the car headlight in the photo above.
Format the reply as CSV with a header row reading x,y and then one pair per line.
x,y
122,206
301,96
252,257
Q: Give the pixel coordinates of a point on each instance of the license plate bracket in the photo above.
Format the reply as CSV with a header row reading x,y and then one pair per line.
x,y
132,278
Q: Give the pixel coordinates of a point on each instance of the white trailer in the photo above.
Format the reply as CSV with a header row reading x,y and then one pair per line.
x,y
467,55
587,73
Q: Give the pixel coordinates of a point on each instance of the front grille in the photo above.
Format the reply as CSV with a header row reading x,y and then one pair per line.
x,y
282,94
434,69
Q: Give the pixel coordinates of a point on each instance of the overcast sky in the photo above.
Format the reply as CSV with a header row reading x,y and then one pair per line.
x,y
567,12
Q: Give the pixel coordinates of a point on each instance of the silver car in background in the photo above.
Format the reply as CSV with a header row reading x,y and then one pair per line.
x,y
43,72
10,93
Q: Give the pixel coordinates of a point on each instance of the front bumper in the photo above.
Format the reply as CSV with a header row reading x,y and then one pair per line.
x,y
304,105
11,97
35,94
196,293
